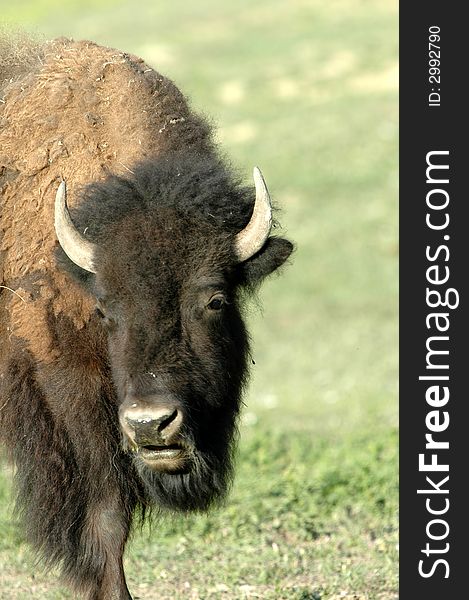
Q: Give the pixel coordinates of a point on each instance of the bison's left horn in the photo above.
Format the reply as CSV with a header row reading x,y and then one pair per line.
x,y
78,249
251,239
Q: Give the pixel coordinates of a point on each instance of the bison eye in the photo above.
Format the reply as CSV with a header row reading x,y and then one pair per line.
x,y
216,302
108,322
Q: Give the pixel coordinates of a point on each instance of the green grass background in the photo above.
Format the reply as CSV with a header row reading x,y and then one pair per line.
x,y
307,90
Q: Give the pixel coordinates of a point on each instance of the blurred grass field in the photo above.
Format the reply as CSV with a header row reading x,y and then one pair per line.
x,y
308,91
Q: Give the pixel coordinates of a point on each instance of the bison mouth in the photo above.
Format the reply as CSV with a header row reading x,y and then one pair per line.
x,y
170,458
159,452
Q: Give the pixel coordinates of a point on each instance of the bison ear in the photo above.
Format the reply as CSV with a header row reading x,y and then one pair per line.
x,y
272,255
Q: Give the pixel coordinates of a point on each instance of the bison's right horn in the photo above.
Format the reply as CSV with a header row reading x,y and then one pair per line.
x,y
78,249
251,239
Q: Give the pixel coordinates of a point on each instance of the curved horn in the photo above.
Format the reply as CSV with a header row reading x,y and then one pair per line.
x,y
251,239
78,249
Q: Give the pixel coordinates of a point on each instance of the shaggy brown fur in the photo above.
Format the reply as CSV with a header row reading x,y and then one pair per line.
x,y
89,111
147,187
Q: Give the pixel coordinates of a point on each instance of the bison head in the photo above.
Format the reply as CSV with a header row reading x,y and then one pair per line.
x,y
166,255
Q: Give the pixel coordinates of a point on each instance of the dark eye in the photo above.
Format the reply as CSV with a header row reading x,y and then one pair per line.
x,y
108,321
216,302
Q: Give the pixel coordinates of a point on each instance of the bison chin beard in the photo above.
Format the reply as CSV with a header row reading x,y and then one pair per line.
x,y
204,484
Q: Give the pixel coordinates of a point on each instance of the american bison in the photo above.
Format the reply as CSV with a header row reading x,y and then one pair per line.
x,y
127,247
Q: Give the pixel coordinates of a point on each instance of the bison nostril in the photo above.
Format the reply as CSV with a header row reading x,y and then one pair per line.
x,y
165,421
